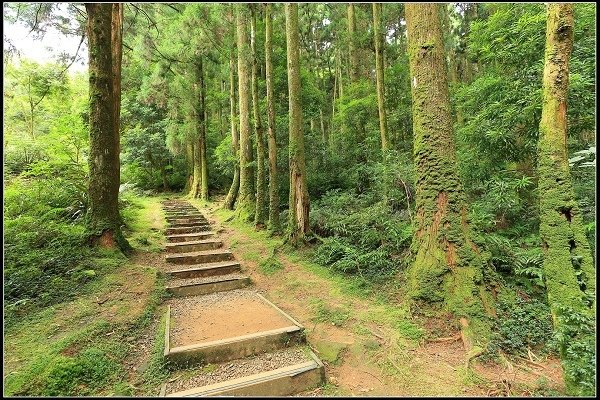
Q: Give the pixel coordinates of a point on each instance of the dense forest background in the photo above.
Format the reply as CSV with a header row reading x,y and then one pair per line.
x,y
179,84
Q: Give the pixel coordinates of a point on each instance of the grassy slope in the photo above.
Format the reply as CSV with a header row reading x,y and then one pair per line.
x,y
86,346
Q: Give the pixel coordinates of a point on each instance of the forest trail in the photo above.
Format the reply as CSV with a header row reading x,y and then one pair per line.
x,y
369,345
228,340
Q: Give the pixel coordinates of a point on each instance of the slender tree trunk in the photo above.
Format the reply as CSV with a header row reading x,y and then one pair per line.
x,y
298,223
568,265
246,200
202,142
260,216
378,38
235,184
447,266
163,174
273,224
103,219
352,44
189,156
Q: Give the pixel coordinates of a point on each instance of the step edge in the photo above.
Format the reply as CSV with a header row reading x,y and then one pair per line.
x,y
215,388
236,339
207,283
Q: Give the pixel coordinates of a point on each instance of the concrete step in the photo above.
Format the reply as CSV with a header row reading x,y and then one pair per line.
x,y
206,285
188,237
236,337
186,218
175,230
200,257
187,224
191,246
284,381
208,269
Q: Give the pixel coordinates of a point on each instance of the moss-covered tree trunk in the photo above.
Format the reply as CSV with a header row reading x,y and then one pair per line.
x,y
117,48
273,224
378,39
446,268
103,219
246,200
260,216
568,266
298,224
235,184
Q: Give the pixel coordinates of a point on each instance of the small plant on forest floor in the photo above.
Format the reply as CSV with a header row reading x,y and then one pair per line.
x,y
523,323
270,266
323,313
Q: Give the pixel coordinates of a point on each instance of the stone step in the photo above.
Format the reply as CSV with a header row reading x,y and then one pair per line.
x,y
186,229
191,246
186,218
207,285
200,257
188,237
180,207
226,326
187,224
208,269
305,374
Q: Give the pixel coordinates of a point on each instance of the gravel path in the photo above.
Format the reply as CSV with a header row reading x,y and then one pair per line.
x,y
182,305
238,368
207,279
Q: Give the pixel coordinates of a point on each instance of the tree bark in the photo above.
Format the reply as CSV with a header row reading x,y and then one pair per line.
x,y
568,265
378,39
353,54
447,267
246,200
273,224
260,216
202,136
235,184
298,223
103,189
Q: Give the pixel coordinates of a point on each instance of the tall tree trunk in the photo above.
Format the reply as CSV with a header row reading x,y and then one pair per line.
x,y
298,224
568,264
117,48
246,200
378,38
189,156
353,54
202,141
260,216
235,184
198,185
273,224
447,266
103,220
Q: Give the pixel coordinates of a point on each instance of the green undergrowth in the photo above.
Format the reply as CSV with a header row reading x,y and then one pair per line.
x,y
385,296
78,344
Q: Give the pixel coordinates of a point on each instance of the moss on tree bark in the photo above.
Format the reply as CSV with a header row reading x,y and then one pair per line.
x,y
568,266
447,267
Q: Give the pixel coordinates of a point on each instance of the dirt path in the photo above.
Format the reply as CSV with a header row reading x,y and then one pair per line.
x,y
361,340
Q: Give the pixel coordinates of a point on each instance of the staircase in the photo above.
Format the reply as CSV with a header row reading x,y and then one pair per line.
x,y
233,340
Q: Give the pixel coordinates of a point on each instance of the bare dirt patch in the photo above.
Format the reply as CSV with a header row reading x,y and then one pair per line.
x,y
221,315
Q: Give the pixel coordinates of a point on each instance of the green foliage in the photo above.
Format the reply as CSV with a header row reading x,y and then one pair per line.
x,y
334,315
523,322
575,337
